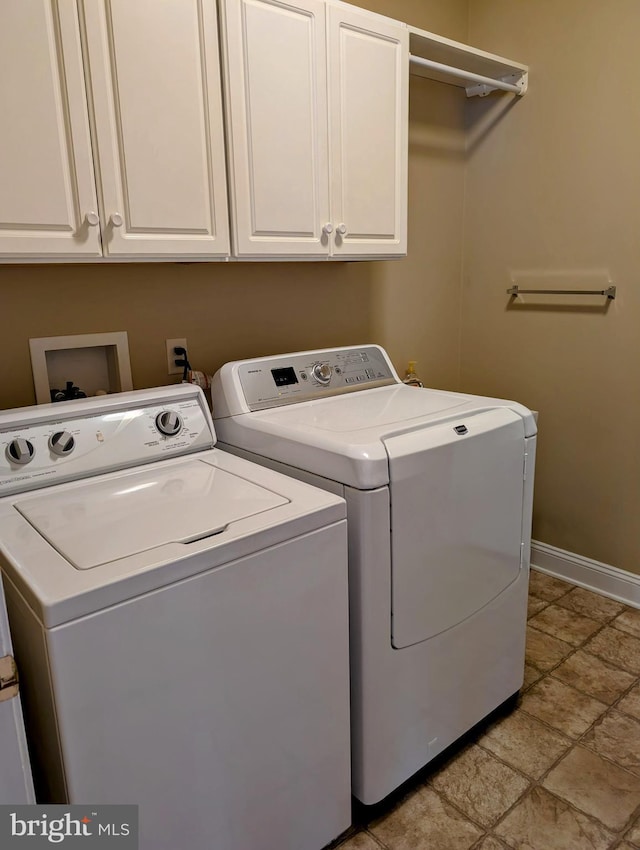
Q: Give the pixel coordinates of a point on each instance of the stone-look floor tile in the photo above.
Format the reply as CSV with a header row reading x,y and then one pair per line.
x,y
424,821
561,706
619,648
547,587
479,785
616,737
564,624
631,703
594,676
591,604
625,846
534,605
634,834
541,821
361,841
524,743
531,675
628,621
595,786
544,651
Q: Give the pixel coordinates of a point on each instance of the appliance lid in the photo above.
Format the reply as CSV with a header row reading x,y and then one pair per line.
x,y
370,410
102,521
343,437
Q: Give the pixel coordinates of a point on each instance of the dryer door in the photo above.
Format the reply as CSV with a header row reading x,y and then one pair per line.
x,y
456,517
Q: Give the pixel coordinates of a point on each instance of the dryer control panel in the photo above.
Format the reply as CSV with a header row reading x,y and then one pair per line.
x,y
51,443
286,379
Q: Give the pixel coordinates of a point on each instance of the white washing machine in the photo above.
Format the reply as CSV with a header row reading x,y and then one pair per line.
x,y
439,491
180,621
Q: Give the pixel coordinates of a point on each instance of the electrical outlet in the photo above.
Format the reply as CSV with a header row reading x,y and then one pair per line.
x,y
172,369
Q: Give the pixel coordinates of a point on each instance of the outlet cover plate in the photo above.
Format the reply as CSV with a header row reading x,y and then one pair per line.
x,y
172,369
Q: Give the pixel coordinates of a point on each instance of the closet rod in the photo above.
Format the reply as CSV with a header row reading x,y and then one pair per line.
x,y
465,75
610,292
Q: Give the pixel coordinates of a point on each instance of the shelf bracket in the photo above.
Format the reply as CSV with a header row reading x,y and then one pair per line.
x,y
520,81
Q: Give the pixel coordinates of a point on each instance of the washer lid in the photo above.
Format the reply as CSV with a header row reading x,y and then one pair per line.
x,y
102,521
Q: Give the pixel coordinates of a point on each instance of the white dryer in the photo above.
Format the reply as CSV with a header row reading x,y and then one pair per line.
x,y
439,491
180,621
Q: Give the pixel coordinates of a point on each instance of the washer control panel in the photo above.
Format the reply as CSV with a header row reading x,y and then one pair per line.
x,y
87,437
286,379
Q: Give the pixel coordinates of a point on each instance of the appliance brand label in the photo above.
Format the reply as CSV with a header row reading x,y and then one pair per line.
x,y
49,826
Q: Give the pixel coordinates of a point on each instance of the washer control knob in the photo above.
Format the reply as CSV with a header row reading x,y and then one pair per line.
x,y
20,451
62,443
169,423
322,373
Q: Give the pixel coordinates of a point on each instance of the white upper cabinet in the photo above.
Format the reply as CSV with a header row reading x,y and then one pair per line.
x,y
317,114
154,82
153,101
369,123
48,202
276,87
113,130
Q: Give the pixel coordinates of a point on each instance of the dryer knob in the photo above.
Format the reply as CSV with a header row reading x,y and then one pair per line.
x,y
322,373
169,423
62,443
20,451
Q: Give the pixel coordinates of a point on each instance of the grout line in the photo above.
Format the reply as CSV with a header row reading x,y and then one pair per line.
x,y
377,840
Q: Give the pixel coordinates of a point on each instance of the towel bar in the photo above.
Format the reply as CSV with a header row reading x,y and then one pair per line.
x,y
610,292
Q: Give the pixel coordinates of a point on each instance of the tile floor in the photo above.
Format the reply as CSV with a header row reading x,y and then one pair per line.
x,y
559,772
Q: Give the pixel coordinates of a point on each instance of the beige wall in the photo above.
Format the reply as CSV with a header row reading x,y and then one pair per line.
x,y
238,310
415,304
555,185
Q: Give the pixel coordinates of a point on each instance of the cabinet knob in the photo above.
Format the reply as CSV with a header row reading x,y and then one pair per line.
x,y
116,219
92,219
328,228
341,229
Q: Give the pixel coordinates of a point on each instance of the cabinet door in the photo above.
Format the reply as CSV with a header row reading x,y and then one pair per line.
x,y
368,101
47,188
155,85
277,118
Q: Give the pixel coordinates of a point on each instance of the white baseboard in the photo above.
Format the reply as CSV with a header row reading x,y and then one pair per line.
x,y
593,575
